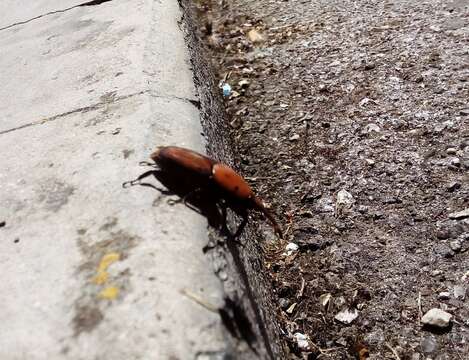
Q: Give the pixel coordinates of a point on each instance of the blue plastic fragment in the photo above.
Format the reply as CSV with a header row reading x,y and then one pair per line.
x,y
226,89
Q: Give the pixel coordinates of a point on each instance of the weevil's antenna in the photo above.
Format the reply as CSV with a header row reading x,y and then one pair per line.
x,y
259,204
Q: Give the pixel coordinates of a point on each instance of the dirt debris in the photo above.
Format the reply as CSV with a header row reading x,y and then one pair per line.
x,y
351,118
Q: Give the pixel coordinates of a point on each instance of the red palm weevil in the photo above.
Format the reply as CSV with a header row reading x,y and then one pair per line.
x,y
205,172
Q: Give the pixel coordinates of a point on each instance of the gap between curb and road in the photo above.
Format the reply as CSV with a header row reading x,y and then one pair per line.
x,y
92,270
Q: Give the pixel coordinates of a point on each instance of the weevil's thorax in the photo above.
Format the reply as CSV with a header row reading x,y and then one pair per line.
x,y
232,185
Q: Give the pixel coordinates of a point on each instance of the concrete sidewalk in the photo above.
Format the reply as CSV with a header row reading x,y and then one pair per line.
x,y
91,270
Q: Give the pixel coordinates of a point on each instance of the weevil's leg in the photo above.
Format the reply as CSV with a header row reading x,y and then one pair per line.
x,y
185,199
163,191
190,195
146,163
137,180
224,226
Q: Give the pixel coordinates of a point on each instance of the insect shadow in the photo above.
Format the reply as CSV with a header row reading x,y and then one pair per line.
x,y
198,194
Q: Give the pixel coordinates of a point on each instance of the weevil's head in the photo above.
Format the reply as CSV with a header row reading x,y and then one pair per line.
x,y
156,155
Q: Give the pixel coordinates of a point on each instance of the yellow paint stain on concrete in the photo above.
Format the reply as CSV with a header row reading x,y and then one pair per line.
x,y
106,261
109,293
101,278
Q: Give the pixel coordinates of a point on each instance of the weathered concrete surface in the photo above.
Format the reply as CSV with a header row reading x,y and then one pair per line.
x,y
91,270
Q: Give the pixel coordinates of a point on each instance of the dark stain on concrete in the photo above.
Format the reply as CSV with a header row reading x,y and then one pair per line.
x,y
127,153
112,222
55,194
86,319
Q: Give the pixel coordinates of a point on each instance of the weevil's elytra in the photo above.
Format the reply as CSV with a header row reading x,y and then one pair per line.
x,y
170,157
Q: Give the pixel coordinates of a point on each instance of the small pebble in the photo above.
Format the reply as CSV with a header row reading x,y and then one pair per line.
x,y
459,292
451,151
344,198
455,245
302,341
346,316
445,295
437,318
455,161
284,303
453,186
443,250
291,248
459,214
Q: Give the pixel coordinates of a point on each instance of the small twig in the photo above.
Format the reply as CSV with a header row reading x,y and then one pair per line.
x,y
396,355
199,300
302,289
419,304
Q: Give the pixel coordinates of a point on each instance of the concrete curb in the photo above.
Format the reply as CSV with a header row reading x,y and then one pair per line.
x,y
92,270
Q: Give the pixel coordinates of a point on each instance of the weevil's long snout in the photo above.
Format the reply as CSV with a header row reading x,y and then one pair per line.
x,y
259,204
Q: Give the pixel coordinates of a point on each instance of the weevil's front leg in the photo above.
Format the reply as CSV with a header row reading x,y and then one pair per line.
x,y
146,163
137,181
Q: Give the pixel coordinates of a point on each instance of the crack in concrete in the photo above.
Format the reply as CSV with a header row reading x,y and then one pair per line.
x,y
99,105
194,102
88,3
83,109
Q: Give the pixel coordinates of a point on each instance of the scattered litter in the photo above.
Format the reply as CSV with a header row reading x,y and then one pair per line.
x,y
255,36
346,316
291,248
324,299
291,308
226,89
2,224
302,341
